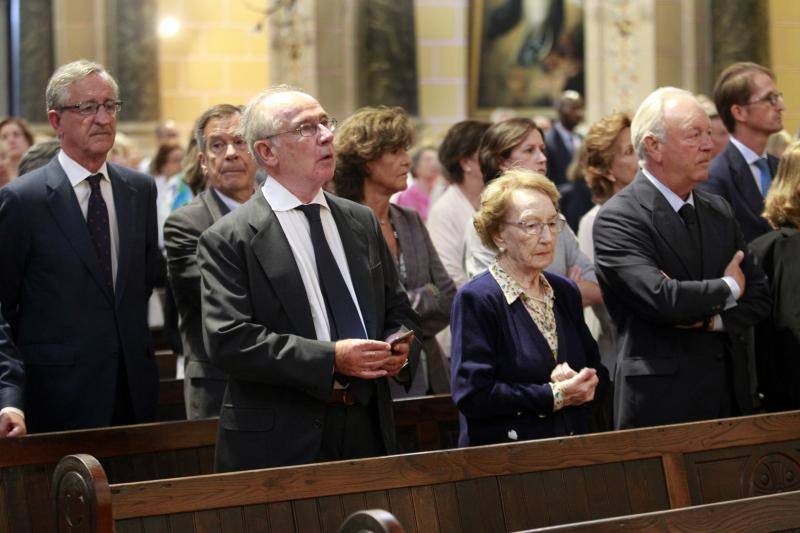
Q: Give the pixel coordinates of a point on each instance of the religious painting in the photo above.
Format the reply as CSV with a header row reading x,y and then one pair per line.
x,y
524,53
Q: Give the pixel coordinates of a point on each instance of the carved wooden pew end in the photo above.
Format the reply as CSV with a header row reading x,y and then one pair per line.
x,y
81,493
371,521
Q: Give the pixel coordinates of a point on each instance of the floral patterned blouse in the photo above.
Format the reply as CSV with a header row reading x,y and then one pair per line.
x,y
540,309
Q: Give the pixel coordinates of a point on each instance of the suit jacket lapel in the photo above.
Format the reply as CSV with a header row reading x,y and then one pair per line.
x,y
710,225
215,205
125,205
742,178
67,213
275,256
357,253
666,222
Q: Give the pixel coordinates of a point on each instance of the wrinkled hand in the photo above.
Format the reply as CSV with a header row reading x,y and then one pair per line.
x,y
12,425
575,273
734,270
361,358
399,357
580,388
561,372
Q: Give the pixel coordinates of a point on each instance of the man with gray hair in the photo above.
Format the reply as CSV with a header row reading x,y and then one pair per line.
x,y
676,276
299,298
78,268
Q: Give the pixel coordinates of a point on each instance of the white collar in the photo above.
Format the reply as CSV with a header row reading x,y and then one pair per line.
x,y
675,201
749,155
75,172
281,199
229,202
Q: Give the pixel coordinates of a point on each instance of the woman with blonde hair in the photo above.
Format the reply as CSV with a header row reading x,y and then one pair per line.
x,y
524,364
778,253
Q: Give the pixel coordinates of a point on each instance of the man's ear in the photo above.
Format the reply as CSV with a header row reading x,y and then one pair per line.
x,y
54,118
201,157
264,151
739,112
653,148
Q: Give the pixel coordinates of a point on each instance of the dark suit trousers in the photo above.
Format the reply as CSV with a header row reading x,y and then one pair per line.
x,y
351,432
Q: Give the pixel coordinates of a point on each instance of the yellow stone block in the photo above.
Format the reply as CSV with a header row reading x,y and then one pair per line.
x,y
249,77
438,100
169,76
183,109
437,22
425,61
206,75
453,62
226,41
784,10
207,11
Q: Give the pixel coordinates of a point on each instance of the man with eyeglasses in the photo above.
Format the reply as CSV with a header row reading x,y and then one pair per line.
x,y
751,108
229,171
676,276
78,259
299,293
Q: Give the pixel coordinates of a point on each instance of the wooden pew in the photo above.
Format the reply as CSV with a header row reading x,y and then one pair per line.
x,y
163,450
776,512
167,362
171,403
504,487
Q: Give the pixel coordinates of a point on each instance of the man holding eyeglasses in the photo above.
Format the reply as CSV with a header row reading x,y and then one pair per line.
x,y
299,293
676,276
78,259
230,172
751,108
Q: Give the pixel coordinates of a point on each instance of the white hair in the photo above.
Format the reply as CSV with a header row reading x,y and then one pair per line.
x,y
649,118
57,91
258,123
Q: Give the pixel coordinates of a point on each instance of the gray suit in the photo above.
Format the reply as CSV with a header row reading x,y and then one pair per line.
x,y
259,329
204,384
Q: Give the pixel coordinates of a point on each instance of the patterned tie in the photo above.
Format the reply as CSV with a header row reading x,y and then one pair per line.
x,y
766,176
99,229
342,313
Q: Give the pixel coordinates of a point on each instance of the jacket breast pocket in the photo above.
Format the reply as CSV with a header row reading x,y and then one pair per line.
x,y
656,366
48,355
247,418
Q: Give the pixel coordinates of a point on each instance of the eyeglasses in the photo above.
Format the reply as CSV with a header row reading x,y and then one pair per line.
x,y
536,228
308,129
774,99
87,109
220,146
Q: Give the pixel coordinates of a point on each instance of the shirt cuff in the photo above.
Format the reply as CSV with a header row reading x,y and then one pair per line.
x,y
716,323
735,292
5,410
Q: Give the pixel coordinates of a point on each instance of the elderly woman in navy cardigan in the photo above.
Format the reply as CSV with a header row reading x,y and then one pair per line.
x,y
524,365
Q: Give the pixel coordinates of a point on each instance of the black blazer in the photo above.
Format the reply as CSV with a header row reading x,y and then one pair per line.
x,y
558,156
71,330
12,377
204,383
730,177
259,330
778,336
666,374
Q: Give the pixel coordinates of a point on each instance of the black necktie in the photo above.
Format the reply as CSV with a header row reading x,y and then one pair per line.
x,y
342,313
689,216
99,229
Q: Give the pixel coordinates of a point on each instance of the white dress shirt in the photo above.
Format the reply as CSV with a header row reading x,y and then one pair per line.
x,y
297,230
77,175
750,157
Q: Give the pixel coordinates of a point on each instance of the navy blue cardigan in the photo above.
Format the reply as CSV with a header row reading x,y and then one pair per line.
x,y
501,364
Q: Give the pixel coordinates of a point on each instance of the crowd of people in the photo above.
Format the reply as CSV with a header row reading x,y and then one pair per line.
x,y
554,283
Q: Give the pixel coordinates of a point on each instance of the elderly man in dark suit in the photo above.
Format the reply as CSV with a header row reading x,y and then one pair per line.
x,y
230,172
299,292
562,141
676,276
751,108
78,259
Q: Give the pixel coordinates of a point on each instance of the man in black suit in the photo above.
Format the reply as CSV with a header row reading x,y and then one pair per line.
x,y
230,172
295,285
78,259
750,106
12,386
676,277
562,141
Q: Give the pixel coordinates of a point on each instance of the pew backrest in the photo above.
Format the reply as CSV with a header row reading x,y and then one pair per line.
x,y
504,487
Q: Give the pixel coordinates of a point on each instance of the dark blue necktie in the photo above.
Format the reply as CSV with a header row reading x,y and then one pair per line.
x,y
100,229
689,216
766,175
342,313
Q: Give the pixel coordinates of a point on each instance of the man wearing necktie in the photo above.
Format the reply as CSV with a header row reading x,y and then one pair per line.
x,y
299,293
676,277
751,108
78,260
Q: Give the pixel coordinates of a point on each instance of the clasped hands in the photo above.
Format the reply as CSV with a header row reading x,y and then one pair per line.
x,y
576,387
370,359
